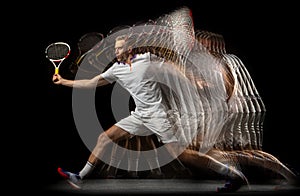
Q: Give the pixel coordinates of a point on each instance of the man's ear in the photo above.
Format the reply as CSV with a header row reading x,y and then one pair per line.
x,y
129,49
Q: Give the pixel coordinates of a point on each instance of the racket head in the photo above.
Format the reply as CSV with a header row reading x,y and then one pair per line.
x,y
85,44
88,41
56,52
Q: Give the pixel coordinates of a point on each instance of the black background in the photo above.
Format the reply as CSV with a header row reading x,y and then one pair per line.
x,y
263,36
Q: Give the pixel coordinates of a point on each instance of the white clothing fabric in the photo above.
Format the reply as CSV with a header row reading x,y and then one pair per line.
x,y
161,127
138,79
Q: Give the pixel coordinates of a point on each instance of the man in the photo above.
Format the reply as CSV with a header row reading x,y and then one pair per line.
x,y
135,72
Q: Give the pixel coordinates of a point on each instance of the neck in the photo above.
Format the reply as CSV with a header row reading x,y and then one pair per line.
x,y
129,58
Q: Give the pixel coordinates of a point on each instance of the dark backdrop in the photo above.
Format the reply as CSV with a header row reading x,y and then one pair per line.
x,y
263,36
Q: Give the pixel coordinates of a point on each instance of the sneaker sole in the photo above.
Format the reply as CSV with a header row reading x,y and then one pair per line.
x,y
66,177
73,184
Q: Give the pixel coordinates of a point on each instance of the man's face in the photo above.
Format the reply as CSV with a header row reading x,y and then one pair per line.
x,y
119,49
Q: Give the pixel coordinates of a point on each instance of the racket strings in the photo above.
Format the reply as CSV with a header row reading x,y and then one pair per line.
x,y
57,51
88,41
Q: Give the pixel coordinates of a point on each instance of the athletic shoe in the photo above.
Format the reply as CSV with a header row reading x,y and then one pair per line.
x,y
73,179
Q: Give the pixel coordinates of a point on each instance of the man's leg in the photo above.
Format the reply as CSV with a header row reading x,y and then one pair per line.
x,y
152,158
113,135
198,160
134,145
118,151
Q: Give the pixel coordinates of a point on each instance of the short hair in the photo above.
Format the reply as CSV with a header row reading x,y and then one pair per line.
x,y
121,37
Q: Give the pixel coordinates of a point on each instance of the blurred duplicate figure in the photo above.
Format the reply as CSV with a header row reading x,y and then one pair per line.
x,y
240,142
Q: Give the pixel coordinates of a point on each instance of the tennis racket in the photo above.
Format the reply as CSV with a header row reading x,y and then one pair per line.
x,y
57,52
86,43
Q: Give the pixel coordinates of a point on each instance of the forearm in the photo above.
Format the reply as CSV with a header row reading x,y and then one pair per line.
x,y
85,83
78,83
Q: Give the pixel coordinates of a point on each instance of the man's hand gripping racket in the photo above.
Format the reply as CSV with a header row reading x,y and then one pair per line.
x,y
57,52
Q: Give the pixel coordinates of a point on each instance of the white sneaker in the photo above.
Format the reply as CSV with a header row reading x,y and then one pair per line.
x,y
73,179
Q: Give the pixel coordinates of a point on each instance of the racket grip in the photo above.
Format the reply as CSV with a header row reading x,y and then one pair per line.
x,y
56,70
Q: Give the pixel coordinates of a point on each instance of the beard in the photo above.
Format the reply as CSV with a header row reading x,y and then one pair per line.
x,y
123,57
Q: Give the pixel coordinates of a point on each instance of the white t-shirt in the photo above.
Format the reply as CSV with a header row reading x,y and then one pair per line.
x,y
139,80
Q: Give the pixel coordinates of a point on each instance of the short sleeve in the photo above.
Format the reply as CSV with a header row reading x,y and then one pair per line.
x,y
156,58
109,75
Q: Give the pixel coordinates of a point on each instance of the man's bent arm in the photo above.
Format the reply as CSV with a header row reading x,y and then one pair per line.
x,y
85,83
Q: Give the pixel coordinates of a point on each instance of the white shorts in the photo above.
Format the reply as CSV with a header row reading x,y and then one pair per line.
x,y
161,127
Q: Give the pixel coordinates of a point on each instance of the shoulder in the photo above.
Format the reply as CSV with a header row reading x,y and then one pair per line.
x,y
111,67
154,57
148,56
144,55
141,57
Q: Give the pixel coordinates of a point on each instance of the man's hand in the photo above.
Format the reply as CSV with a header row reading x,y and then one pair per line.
x,y
56,79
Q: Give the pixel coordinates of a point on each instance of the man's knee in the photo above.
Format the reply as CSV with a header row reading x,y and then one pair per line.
x,y
103,139
116,134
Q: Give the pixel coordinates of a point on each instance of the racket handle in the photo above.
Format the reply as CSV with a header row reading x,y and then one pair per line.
x,y
56,70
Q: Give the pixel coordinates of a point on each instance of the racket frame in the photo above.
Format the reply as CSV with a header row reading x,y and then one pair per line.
x,y
57,62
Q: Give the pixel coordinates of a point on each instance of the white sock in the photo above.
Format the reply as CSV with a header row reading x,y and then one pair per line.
x,y
86,170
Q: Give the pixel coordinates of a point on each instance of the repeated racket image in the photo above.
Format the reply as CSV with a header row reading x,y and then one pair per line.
x,y
57,52
86,44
